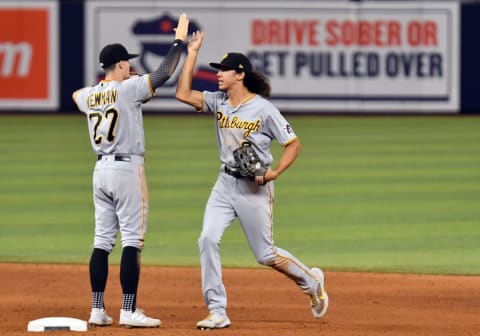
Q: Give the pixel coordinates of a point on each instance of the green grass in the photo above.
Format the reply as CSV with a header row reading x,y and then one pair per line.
x,y
396,194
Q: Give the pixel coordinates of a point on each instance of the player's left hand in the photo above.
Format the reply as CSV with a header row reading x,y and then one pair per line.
x,y
182,28
270,175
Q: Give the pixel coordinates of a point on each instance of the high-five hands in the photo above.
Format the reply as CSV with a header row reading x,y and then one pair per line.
x,y
195,41
182,27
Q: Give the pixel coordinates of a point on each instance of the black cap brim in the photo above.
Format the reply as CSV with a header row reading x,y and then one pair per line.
x,y
130,56
215,65
221,66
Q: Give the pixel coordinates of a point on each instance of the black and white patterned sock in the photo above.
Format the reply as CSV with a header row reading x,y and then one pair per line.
x,y
97,300
128,302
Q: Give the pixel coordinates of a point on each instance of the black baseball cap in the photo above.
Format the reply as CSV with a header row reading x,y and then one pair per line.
x,y
113,53
234,61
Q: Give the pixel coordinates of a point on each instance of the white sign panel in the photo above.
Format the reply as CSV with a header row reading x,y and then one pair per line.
x,y
331,56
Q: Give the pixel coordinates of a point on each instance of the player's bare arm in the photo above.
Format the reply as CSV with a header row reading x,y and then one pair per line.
x,y
289,155
184,91
167,67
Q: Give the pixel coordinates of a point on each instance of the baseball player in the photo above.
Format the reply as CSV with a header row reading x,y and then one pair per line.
x,y
115,123
243,114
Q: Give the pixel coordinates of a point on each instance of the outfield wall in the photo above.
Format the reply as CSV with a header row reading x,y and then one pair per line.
x,y
321,56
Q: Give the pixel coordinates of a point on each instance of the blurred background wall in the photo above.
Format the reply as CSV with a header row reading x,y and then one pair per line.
x,y
355,57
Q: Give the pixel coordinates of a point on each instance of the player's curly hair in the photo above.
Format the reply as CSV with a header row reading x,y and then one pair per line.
x,y
258,83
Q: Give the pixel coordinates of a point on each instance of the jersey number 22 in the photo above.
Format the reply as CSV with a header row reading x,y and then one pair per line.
x,y
111,115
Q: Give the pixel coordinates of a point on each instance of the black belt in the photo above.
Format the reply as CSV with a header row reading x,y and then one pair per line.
x,y
232,172
125,158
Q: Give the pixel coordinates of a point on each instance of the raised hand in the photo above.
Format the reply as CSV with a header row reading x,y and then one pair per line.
x,y
195,41
182,27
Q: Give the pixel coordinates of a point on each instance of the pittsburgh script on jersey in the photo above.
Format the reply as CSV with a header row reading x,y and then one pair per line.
x,y
235,122
102,98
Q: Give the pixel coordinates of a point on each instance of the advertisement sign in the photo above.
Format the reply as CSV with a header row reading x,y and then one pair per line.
x,y
332,56
28,55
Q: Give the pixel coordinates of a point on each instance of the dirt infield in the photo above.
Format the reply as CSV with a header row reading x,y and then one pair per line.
x,y
261,302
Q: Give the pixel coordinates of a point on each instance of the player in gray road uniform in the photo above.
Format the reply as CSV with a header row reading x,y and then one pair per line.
x,y
115,123
243,114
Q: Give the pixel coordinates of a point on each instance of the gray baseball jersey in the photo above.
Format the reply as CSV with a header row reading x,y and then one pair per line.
x,y
115,124
114,114
255,120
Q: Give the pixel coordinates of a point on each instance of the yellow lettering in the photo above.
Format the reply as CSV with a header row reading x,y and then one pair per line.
x,y
235,122
102,98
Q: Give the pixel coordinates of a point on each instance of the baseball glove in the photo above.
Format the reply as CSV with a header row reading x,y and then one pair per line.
x,y
248,162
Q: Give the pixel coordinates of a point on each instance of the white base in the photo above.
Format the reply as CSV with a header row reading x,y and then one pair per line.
x,y
57,323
